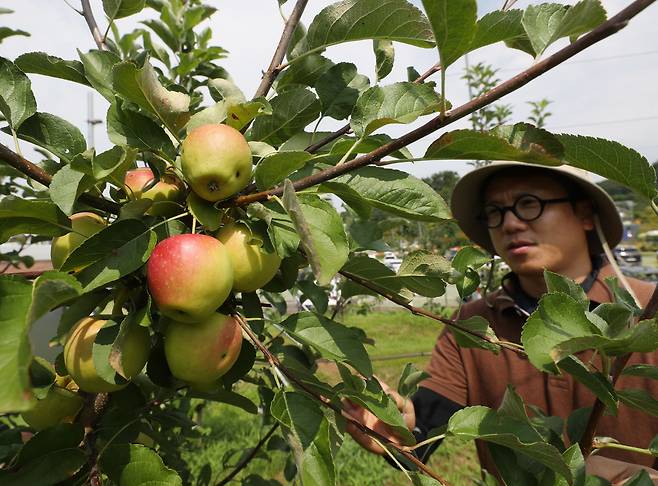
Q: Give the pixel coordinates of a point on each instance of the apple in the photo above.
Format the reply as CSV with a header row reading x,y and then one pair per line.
x,y
189,276
216,161
59,405
252,266
168,191
84,225
201,352
79,360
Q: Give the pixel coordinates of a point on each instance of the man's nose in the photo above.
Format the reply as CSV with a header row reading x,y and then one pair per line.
x,y
512,223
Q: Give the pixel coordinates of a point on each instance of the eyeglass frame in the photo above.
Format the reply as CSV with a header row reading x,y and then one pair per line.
x,y
503,209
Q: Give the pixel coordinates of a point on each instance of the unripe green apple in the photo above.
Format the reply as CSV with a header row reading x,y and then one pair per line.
x,y
189,276
165,193
84,225
252,266
59,405
79,360
216,161
202,352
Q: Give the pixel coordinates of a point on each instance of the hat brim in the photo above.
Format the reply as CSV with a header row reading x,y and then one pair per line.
x,y
467,199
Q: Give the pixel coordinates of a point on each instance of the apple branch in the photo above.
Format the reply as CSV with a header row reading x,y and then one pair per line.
x,y
242,464
606,29
422,312
346,129
88,14
275,66
35,172
274,361
587,440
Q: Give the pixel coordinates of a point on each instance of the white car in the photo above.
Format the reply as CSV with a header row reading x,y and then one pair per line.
x,y
392,261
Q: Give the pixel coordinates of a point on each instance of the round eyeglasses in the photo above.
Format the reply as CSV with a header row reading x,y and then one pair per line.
x,y
527,207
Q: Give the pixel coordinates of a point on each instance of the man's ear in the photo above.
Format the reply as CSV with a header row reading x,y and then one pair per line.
x,y
585,212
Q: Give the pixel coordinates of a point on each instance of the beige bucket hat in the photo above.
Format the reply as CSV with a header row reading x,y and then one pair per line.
x,y
466,203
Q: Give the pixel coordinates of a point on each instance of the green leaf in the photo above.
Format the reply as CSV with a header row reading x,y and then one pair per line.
x,y
352,20
117,9
486,424
66,186
400,102
216,113
7,32
479,326
521,142
454,26
339,88
390,190
274,168
133,464
53,66
559,283
224,89
31,216
612,161
548,22
98,71
639,399
497,26
292,110
15,352
367,144
125,127
317,466
595,381
306,71
424,273
49,469
17,102
384,57
51,290
58,437
331,339
142,87
321,232
557,318
642,370
640,478
299,413
317,295
204,211
115,251
616,316
239,115
280,227
409,380
53,134
377,274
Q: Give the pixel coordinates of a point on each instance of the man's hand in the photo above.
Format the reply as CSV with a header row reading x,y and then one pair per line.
x,y
364,417
617,472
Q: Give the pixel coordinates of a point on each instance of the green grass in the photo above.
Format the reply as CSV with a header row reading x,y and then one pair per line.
x,y
229,429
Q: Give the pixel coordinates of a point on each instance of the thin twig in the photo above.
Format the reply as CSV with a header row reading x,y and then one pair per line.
x,y
249,457
422,312
88,14
346,129
606,29
35,172
274,361
587,440
275,66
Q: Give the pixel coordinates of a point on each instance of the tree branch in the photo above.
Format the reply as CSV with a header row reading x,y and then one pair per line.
x,y
274,69
587,440
274,361
249,457
88,14
606,29
35,172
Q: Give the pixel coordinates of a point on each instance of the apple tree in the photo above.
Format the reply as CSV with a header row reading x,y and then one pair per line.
x,y
172,250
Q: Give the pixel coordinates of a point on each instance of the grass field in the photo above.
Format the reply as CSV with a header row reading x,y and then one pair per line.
x,y
229,431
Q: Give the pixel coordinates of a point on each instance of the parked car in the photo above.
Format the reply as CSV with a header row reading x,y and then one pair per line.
x,y
628,255
392,261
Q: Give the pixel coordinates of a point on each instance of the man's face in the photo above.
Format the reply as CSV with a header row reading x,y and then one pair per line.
x,y
555,241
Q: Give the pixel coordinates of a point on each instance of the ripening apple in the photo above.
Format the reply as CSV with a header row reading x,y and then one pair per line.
x,y
253,267
189,276
84,225
202,352
79,360
59,405
165,193
216,161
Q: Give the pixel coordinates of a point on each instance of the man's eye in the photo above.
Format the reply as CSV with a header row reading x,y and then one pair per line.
x,y
527,202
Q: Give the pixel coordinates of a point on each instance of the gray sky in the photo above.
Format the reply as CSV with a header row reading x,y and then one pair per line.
x,y
607,91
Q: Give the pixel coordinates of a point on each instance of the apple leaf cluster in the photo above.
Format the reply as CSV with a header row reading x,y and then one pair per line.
x,y
173,250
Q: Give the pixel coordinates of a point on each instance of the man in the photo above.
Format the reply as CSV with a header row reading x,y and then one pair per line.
x,y
534,218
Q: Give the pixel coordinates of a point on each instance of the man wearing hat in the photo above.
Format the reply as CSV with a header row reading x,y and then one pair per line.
x,y
534,218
